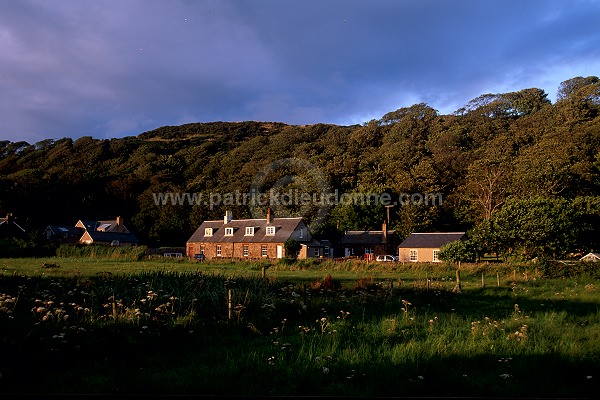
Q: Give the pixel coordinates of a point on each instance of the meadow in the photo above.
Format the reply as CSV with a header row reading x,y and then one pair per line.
x,y
102,326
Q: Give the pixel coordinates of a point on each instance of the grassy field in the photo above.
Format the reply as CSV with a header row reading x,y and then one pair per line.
x,y
166,327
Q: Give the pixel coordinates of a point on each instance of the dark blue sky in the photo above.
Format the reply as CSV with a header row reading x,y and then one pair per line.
x,y
112,68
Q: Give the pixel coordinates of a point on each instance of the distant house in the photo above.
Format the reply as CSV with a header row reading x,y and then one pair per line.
x,y
109,232
9,228
251,238
63,234
425,247
367,243
591,257
109,238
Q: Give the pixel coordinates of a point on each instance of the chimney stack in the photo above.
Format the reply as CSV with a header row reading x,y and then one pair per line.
x,y
384,230
269,215
119,221
228,217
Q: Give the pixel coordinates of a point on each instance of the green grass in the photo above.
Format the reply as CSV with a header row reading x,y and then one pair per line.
x,y
163,327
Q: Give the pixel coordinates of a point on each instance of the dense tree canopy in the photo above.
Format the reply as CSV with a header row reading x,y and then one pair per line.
x,y
501,157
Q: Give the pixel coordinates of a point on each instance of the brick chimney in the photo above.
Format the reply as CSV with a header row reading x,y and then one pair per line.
x,y
269,215
120,221
228,217
384,230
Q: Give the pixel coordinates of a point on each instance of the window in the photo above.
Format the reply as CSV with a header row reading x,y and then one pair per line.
x,y
414,255
218,250
263,250
249,231
208,231
368,250
435,257
245,250
326,251
270,230
317,252
301,233
228,231
201,249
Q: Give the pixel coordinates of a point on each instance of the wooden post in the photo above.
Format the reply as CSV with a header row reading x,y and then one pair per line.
x,y
497,280
229,284
427,281
229,303
482,280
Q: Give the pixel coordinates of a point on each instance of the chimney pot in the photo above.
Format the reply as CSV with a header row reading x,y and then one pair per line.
x,y
228,217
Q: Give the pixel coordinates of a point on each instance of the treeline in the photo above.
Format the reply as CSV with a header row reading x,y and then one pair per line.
x,y
500,158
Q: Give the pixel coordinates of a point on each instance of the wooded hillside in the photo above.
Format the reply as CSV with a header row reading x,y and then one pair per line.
x,y
513,156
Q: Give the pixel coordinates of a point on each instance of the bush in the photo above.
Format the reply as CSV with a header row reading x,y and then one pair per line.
x,y
104,252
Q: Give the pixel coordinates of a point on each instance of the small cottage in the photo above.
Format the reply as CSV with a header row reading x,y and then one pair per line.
x,y
425,247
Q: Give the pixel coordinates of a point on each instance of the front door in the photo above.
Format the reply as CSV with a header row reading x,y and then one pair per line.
x,y
348,252
279,251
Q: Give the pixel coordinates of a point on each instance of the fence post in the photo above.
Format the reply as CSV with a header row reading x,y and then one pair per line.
x,y
497,280
229,284
482,280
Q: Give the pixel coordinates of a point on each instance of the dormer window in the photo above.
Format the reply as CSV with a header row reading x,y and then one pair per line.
x,y
208,231
249,231
270,230
228,231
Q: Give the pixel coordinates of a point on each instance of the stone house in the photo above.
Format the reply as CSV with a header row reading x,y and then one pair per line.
x,y
251,238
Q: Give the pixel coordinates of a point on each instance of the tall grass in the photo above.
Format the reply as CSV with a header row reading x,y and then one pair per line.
x,y
171,332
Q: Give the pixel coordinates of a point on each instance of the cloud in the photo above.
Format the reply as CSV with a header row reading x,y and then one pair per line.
x,y
115,68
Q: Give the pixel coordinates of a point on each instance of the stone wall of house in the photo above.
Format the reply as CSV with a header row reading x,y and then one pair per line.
x,y
423,254
235,250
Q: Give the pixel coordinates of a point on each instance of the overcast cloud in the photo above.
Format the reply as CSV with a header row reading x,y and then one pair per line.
x,y
114,68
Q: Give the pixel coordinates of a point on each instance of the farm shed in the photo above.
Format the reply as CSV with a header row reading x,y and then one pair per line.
x,y
361,243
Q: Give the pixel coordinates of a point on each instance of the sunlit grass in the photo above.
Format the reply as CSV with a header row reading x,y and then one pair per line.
x,y
382,333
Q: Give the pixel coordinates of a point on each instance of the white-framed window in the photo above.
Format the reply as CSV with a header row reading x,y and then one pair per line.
x,y
317,252
201,249
218,250
263,250
245,250
435,256
249,231
326,251
368,250
270,230
208,231
414,255
228,231
301,233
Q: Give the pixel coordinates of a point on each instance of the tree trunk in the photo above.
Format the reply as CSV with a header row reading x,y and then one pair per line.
x,y
457,288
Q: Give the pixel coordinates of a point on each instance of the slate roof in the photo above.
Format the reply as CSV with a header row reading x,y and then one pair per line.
x,y
284,228
66,230
9,227
108,237
431,240
365,237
